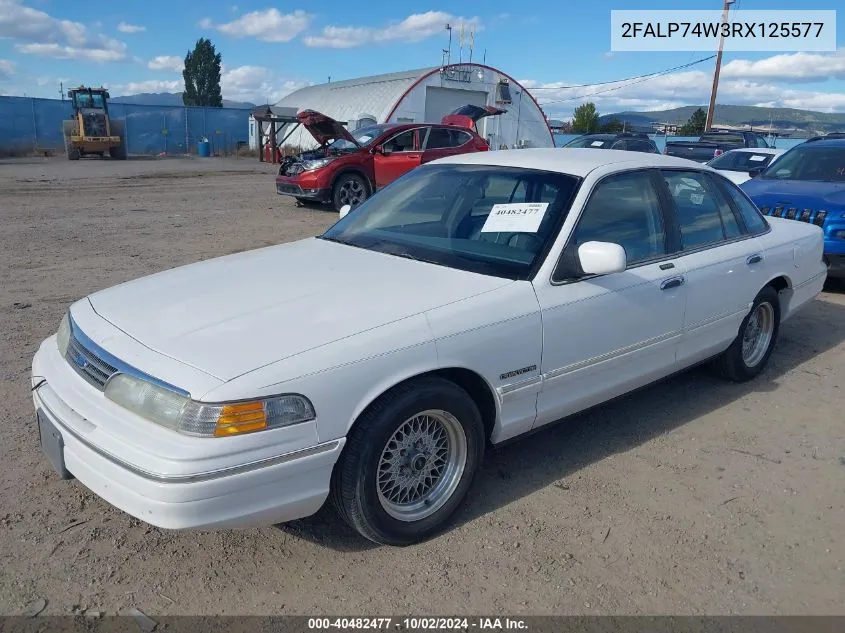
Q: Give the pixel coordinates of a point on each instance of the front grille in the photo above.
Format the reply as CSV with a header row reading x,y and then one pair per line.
x,y
793,213
87,364
289,189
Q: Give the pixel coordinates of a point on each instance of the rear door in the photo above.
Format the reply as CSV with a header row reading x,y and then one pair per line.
x,y
399,154
722,259
444,141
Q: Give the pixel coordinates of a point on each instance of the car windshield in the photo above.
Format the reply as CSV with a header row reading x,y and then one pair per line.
x,y
364,136
741,161
491,220
590,141
809,162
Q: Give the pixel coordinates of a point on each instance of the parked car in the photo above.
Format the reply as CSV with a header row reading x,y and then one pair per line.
x,y
737,163
349,167
807,184
629,141
476,298
713,144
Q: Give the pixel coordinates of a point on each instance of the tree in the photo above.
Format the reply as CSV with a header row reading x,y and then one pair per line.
x,y
614,126
695,125
586,119
202,76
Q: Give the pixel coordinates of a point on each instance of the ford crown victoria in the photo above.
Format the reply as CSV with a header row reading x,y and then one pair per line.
x,y
477,298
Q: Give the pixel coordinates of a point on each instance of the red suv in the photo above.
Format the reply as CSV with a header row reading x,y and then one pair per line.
x,y
349,167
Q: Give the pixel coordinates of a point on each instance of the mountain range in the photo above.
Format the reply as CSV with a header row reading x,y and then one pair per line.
x,y
170,99
784,120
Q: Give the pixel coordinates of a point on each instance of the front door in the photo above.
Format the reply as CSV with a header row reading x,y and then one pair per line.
x,y
399,154
608,334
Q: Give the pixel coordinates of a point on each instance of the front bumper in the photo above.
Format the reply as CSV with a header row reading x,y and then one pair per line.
x,y
247,488
297,191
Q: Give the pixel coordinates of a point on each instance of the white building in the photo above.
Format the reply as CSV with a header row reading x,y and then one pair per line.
x,y
424,96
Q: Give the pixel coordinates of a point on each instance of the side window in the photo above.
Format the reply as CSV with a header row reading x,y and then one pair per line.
x,y
439,138
703,216
460,138
751,216
761,142
641,146
752,140
402,142
624,209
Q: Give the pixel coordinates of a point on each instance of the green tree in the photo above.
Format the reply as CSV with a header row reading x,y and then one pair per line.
x,y
586,119
202,76
614,126
695,125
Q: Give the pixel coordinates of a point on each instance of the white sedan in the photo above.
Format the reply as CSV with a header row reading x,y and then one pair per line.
x,y
477,298
739,164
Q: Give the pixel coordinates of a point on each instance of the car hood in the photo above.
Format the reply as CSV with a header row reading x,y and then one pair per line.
x,y
803,193
233,314
324,128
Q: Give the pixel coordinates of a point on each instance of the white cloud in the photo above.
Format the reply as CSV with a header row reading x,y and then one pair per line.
x,y
123,27
166,62
152,85
269,25
39,33
256,84
7,68
414,28
108,51
791,67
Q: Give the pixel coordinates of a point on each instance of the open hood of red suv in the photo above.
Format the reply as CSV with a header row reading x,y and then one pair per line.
x,y
324,128
469,115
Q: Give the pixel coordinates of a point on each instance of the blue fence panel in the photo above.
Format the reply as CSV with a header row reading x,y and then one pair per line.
x,y
27,122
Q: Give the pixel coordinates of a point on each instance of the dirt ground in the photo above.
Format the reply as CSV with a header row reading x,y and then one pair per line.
x,y
691,497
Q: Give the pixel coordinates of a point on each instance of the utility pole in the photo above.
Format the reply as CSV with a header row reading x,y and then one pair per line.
x,y
715,88
62,89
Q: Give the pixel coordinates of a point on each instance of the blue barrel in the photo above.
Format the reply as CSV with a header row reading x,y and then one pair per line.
x,y
204,149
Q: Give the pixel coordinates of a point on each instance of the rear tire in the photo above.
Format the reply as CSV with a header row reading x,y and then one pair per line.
x,y
349,189
409,462
750,351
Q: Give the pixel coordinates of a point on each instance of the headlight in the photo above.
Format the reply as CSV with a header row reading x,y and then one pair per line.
x,y
174,411
63,335
310,165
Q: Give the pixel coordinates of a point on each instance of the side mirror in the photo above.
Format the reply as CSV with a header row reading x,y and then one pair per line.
x,y
756,171
344,210
602,258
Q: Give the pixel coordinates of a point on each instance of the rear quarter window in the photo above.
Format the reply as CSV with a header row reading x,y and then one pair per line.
x,y
754,221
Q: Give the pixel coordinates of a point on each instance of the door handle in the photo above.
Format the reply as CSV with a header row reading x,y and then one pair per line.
x,y
672,282
756,258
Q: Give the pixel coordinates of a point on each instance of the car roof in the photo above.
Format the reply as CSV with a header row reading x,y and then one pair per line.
x,y
824,142
576,161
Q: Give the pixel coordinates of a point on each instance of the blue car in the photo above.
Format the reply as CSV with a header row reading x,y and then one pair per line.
x,y
807,184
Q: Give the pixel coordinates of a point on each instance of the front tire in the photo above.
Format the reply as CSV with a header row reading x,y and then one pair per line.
x,y
409,462
748,354
349,189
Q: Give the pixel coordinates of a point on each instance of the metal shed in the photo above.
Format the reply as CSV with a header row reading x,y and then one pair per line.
x,y
426,95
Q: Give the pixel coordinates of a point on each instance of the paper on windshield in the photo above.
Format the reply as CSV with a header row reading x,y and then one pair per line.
x,y
597,143
757,157
519,217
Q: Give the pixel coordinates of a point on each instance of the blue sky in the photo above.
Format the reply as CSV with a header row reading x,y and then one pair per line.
x,y
271,48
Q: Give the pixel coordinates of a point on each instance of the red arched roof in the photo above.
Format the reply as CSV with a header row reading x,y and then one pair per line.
x,y
495,70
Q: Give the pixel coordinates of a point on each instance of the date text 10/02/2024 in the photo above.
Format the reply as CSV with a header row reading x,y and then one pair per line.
x,y
416,624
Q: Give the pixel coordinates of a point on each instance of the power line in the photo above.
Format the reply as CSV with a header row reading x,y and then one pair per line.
x,y
640,79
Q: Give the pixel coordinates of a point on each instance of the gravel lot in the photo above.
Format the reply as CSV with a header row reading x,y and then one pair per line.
x,y
691,497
